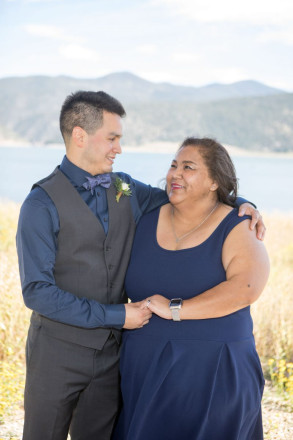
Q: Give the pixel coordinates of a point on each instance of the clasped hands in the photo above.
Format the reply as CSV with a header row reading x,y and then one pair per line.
x,y
139,313
159,305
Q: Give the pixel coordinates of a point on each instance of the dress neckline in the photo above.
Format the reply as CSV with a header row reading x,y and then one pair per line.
x,y
193,247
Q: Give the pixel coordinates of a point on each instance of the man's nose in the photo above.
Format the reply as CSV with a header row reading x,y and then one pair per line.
x,y
117,146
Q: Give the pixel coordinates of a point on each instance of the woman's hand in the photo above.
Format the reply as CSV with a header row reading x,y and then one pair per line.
x,y
256,220
159,305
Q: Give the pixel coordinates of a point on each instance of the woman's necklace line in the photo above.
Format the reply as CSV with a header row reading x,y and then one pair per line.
x,y
177,239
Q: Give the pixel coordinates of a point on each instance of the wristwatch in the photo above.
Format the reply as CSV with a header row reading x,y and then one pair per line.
x,y
175,305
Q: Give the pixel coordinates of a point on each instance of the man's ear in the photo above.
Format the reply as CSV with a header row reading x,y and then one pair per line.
x,y
79,136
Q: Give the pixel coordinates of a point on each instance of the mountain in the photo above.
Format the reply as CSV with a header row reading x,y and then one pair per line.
x,y
256,123
136,89
247,113
131,88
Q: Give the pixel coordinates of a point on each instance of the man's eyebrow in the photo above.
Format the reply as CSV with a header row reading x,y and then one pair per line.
x,y
113,133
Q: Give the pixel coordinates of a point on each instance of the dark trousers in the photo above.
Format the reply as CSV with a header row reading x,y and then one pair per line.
x,y
69,386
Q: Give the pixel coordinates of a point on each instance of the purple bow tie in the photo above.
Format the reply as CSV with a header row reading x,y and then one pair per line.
x,y
102,180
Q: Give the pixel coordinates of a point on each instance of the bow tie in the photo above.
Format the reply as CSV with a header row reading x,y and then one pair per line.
x,y
102,180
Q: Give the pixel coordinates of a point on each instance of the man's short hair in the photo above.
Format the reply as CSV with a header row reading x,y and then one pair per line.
x,y
85,109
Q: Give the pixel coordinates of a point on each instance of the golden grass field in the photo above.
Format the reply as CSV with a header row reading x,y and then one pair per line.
x,y
272,313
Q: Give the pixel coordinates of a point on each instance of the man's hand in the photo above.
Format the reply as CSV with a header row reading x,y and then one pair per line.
x,y
137,315
256,220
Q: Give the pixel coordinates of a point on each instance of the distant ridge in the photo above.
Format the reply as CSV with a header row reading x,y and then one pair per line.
x,y
131,88
248,113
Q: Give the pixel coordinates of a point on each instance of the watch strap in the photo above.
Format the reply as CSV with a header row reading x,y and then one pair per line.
x,y
175,314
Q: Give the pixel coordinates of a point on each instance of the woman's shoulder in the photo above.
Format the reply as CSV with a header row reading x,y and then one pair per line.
x,y
242,241
231,215
230,219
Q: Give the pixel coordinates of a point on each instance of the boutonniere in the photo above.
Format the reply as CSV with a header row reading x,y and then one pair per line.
x,y
122,188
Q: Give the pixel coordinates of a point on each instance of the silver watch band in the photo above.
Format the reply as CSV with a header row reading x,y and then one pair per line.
x,y
175,314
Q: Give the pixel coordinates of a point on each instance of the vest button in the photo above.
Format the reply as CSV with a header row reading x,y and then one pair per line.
x,y
110,266
108,248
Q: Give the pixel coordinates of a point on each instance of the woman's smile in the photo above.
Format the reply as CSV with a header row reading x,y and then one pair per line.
x,y
175,186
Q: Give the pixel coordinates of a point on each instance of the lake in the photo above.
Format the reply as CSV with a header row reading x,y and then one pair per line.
x,y
266,181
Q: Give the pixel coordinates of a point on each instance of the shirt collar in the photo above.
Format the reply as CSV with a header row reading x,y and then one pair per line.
x,y
76,175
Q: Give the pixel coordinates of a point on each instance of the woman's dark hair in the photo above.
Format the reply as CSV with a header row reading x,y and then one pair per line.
x,y
220,166
85,109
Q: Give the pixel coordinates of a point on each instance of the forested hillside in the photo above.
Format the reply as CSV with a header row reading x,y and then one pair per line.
x,y
247,114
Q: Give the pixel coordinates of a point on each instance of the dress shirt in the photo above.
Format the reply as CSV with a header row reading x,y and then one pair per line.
x,y
36,240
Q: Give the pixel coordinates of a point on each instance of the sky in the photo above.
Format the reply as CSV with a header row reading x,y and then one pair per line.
x,y
187,42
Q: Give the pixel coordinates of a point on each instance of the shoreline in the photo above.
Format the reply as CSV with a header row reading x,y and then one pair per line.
x,y
274,213
156,148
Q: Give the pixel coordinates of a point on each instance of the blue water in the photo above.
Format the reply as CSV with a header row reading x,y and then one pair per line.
x,y
268,182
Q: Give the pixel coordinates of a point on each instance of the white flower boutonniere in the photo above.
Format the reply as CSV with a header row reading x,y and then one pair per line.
x,y
122,188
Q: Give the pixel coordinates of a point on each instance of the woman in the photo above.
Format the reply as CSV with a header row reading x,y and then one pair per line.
x,y
193,372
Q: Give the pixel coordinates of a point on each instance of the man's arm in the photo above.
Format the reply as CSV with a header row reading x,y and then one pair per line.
x,y
144,198
248,208
36,240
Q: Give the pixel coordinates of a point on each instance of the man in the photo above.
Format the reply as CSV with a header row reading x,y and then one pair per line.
x,y
74,240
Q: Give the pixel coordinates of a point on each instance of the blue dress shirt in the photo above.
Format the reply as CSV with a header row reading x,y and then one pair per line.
x,y
36,241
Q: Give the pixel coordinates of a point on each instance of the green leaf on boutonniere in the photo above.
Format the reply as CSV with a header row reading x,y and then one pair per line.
x,y
122,188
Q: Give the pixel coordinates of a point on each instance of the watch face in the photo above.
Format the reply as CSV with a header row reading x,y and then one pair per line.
x,y
176,302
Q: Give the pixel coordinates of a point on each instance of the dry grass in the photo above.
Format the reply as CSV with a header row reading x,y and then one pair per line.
x,y
13,315
272,313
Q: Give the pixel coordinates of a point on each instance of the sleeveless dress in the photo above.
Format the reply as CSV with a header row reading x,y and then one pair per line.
x,y
193,379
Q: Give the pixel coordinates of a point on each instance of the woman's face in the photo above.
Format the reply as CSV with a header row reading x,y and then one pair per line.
x,y
188,177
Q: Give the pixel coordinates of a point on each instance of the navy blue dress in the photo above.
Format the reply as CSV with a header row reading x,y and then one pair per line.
x,y
193,379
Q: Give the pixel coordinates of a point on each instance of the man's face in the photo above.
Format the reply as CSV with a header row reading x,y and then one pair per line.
x,y
102,146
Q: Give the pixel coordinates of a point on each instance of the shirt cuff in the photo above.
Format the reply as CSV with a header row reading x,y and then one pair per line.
x,y
114,315
240,200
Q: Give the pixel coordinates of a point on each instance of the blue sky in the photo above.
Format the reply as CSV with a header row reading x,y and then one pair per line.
x,y
188,42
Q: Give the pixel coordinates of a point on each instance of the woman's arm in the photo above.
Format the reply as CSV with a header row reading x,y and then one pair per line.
x,y
247,269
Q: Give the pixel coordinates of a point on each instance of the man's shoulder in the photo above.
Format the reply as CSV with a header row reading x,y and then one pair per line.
x,y
124,176
46,179
37,211
136,184
38,197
